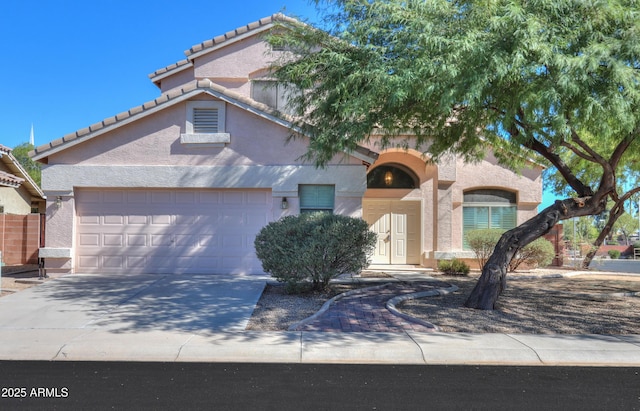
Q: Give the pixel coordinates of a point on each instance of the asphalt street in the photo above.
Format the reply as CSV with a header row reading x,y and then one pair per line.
x,y
234,386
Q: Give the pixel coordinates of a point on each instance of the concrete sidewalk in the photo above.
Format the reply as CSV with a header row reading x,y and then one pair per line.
x,y
91,344
202,318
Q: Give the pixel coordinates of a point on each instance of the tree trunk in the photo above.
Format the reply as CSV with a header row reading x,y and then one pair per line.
x,y
493,280
616,211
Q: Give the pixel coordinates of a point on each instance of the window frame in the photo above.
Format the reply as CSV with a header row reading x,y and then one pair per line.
x,y
277,92
317,207
490,206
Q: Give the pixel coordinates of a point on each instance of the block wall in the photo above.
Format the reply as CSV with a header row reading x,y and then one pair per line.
x,y
19,238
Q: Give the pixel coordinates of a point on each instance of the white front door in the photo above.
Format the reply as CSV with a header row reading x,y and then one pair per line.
x,y
397,224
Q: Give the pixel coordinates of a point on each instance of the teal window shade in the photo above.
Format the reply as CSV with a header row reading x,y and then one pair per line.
x,y
488,209
316,198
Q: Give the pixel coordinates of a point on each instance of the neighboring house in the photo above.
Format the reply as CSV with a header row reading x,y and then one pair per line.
x,y
183,183
20,203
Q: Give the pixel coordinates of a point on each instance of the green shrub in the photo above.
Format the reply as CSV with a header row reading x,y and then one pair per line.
x,y
453,267
614,254
314,248
538,253
636,244
482,242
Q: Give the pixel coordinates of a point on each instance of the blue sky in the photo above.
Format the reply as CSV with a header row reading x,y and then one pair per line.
x,y
69,64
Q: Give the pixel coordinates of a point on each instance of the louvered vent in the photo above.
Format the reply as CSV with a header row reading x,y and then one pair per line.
x,y
205,120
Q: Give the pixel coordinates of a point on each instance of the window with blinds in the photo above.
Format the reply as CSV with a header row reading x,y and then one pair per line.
x,y
493,209
316,198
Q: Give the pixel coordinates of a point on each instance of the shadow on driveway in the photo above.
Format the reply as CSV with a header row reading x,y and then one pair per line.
x,y
135,303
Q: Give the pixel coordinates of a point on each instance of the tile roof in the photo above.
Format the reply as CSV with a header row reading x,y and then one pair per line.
x,y
211,44
10,180
165,100
18,175
251,27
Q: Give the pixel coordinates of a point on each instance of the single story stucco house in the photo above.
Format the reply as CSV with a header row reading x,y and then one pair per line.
x,y
183,183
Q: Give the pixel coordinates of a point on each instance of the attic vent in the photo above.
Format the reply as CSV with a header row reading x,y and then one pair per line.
x,y
205,125
205,120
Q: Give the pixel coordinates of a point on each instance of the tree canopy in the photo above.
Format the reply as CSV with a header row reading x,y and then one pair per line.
x,y
21,153
524,77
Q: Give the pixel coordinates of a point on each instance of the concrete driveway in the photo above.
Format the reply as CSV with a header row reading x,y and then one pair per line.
x,y
131,303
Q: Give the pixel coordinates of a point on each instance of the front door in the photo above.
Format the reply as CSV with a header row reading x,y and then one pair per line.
x,y
397,224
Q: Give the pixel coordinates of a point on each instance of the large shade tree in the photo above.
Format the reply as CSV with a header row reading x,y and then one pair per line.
x,y
626,189
461,77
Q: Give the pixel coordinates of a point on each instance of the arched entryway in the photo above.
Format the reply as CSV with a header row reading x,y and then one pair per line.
x,y
392,208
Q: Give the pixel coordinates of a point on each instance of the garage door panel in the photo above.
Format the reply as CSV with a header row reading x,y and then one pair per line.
x,y
89,262
166,231
89,219
187,220
137,219
113,197
113,240
88,240
113,261
160,197
207,241
186,197
161,240
257,219
161,219
258,198
233,197
136,240
211,197
184,240
136,262
136,197
113,219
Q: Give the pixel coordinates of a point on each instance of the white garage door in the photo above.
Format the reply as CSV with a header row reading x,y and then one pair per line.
x,y
169,231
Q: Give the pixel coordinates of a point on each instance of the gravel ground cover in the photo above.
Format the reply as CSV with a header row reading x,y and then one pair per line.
x,y
603,304
13,281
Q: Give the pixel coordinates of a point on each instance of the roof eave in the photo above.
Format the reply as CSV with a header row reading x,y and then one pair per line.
x,y
157,76
16,168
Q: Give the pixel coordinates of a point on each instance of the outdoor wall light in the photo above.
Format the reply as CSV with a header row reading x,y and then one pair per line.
x,y
285,204
59,202
388,178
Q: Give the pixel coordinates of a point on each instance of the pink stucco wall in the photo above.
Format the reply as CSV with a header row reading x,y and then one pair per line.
x,y
441,219
155,140
235,61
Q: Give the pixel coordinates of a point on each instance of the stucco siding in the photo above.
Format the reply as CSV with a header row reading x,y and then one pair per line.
x,y
60,227
155,140
15,200
178,79
489,174
284,180
235,61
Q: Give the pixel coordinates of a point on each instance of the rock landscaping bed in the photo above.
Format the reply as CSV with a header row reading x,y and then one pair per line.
x,y
576,305
16,279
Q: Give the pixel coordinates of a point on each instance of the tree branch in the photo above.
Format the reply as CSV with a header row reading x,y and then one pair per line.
x,y
560,165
